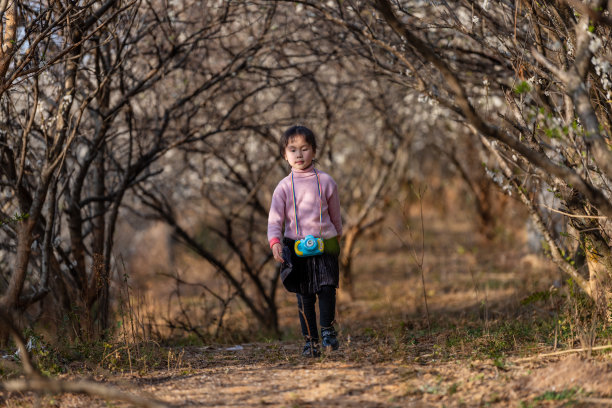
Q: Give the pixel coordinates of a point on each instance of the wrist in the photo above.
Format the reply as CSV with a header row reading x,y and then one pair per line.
x,y
274,241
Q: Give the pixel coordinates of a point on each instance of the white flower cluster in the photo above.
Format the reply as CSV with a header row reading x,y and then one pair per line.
x,y
602,68
426,99
499,180
570,48
595,44
495,176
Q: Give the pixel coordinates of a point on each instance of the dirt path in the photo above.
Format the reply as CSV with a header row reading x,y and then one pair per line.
x,y
270,375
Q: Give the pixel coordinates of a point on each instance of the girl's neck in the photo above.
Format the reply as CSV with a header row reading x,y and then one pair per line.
x,y
307,170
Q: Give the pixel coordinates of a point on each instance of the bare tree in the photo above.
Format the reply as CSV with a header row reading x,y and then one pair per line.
x,y
36,141
550,124
133,84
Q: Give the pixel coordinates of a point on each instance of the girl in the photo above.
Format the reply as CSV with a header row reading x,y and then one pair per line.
x,y
306,202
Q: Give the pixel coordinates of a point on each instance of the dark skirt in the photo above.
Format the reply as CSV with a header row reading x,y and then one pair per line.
x,y
306,275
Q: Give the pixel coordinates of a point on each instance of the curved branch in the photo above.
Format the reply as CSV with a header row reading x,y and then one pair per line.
x,y
539,222
8,38
50,385
467,110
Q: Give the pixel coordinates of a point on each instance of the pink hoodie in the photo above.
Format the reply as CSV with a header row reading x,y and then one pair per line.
x,y
307,203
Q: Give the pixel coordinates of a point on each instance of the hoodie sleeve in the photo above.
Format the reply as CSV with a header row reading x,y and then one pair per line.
x,y
276,217
333,205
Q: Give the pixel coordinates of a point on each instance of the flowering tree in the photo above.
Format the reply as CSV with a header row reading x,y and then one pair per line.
x,y
228,179
531,80
168,106
41,109
165,108
95,95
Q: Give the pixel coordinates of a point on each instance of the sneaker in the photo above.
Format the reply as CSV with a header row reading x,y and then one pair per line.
x,y
311,349
329,338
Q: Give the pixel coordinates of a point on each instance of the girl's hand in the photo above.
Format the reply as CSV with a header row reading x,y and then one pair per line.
x,y
277,251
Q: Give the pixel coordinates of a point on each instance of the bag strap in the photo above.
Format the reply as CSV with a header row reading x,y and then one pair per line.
x,y
297,227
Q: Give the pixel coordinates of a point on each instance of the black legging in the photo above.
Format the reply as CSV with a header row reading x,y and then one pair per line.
x,y
327,310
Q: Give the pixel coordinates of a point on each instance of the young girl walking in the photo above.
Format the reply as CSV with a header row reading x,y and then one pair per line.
x,y
306,202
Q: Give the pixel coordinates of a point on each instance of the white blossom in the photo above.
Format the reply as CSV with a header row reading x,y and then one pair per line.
x,y
507,188
495,176
423,98
595,44
603,70
570,48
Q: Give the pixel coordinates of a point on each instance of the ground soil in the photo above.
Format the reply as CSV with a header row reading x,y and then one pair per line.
x,y
476,342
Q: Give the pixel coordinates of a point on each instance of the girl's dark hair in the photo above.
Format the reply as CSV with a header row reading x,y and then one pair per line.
x,y
296,130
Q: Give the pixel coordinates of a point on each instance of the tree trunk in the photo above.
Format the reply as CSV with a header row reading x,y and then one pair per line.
x,y
346,261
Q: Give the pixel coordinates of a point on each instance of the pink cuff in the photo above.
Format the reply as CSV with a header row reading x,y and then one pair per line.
x,y
274,241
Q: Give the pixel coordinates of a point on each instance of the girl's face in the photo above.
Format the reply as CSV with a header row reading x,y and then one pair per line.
x,y
299,153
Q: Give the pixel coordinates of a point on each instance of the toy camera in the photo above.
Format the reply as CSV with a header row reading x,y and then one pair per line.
x,y
309,246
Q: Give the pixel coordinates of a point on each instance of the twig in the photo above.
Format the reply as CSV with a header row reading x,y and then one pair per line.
x,y
578,350
303,313
574,215
600,401
486,300
49,385
415,257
